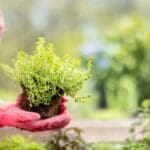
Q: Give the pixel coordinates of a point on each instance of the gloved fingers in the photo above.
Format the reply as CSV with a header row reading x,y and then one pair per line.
x,y
64,99
19,101
60,121
62,107
53,123
25,116
14,115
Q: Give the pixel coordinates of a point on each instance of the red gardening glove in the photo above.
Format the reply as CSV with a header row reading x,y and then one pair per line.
x,y
1,25
14,116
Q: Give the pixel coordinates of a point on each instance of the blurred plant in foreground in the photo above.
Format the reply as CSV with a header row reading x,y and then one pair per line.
x,y
140,130
67,139
121,64
18,142
141,127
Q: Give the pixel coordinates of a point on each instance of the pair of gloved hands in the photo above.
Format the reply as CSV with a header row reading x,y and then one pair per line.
x,y
14,116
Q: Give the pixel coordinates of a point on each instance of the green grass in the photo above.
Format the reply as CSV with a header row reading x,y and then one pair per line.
x,y
107,146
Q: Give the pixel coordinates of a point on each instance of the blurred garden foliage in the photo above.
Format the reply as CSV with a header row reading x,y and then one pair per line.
x,y
121,65
18,142
119,45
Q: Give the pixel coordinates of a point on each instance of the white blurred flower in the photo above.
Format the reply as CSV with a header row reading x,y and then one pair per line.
x,y
91,48
104,62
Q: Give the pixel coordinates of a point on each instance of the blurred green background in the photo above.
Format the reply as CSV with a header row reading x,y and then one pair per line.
x,y
115,33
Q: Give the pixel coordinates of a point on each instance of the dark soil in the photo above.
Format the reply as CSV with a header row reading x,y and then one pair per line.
x,y
46,111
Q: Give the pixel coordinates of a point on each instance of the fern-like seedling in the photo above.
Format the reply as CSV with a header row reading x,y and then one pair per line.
x,y
46,77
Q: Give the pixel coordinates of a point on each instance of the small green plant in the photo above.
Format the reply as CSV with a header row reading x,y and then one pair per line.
x,y
140,130
67,139
134,146
45,77
137,145
18,142
141,127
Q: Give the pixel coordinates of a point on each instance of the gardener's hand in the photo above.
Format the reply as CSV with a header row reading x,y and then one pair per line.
x,y
14,116
1,25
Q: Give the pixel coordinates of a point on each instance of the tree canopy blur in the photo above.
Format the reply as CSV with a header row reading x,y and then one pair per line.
x,y
122,61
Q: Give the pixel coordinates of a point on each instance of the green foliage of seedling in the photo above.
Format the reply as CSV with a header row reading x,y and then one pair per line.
x,y
44,74
19,142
